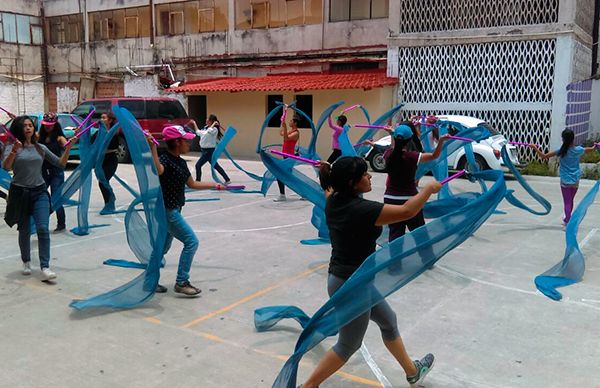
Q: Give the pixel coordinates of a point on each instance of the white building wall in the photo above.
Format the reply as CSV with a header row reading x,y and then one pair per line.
x,y
148,87
21,97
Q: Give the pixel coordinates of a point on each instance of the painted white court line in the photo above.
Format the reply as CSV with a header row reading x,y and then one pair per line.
x,y
385,383
251,229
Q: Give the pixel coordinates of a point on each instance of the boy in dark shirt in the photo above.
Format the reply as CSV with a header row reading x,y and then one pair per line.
x,y
174,175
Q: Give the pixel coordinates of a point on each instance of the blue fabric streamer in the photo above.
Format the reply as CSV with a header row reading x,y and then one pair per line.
x,y
510,197
152,231
570,270
382,273
5,179
103,139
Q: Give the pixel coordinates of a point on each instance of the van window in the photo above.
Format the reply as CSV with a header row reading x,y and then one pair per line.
x,y
66,121
136,107
169,109
83,109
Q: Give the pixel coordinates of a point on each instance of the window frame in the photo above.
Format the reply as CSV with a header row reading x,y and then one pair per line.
x,y
348,13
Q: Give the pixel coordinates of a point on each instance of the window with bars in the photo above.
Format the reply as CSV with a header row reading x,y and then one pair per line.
x,y
22,29
345,10
191,17
444,15
120,23
276,13
64,29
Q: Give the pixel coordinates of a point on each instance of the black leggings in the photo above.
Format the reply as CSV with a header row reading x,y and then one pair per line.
x,y
109,167
351,336
334,155
3,194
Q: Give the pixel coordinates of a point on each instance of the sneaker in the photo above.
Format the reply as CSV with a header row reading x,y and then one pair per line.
x,y
47,274
281,198
109,208
160,289
186,288
27,268
227,182
423,366
59,229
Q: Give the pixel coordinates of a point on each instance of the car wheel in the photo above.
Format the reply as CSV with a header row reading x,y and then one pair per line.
x,y
122,151
377,162
479,160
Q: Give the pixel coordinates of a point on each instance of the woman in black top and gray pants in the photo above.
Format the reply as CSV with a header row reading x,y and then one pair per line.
x,y
354,226
52,136
109,164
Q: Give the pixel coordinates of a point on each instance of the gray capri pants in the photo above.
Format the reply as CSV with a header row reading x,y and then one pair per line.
x,y
351,336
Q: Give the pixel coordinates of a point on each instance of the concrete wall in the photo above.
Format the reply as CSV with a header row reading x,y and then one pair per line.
x,y
21,97
26,7
595,114
148,87
246,112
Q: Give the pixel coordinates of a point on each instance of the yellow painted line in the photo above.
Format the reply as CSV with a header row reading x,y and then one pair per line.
x,y
279,357
254,296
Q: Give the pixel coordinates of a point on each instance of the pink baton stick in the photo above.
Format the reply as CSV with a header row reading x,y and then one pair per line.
x,y
299,158
235,187
79,134
284,114
370,126
520,143
350,108
461,172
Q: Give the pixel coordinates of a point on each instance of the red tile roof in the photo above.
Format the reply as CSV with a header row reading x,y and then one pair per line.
x,y
294,82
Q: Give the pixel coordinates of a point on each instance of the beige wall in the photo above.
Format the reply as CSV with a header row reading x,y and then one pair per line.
x,y
246,112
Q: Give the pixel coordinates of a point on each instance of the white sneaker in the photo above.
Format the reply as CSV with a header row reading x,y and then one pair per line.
x,y
281,198
47,274
27,268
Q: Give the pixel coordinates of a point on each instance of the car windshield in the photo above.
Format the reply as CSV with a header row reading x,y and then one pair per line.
x,y
66,121
493,131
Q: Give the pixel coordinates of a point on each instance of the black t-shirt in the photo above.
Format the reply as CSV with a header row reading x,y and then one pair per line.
x,y
352,230
112,145
173,180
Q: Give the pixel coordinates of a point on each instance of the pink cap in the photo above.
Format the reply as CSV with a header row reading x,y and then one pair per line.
x,y
176,132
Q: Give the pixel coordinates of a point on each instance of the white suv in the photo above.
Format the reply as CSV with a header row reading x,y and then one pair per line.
x,y
487,152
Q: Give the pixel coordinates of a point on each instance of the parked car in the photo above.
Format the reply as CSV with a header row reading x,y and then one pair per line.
x,y
487,152
153,114
64,119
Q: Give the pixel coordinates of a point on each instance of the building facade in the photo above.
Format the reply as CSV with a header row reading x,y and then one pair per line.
x,y
523,65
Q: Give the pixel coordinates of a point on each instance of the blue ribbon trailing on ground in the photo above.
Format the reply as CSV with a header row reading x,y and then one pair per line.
x,y
149,234
5,179
571,268
382,273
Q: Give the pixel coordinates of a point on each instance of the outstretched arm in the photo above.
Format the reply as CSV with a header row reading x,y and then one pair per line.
x,y
541,154
196,185
428,157
396,213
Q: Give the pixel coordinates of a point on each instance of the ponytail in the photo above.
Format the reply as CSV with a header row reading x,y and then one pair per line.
x,y
568,137
342,175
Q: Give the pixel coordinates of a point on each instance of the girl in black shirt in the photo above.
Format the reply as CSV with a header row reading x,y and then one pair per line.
x,y
109,164
52,136
354,225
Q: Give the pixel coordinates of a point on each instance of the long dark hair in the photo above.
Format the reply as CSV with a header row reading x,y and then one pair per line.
x,y
53,134
213,118
392,163
342,119
567,137
18,131
343,174
111,118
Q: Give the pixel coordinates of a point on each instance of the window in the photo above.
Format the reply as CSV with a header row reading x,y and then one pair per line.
x,y
344,10
83,109
272,100
305,104
136,107
9,27
276,13
22,29
65,29
120,23
191,17
171,110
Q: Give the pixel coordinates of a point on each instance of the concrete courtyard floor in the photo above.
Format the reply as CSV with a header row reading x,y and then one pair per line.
x,y
477,310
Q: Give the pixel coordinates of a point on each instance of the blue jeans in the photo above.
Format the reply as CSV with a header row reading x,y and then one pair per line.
x,y
177,227
40,212
54,180
206,156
